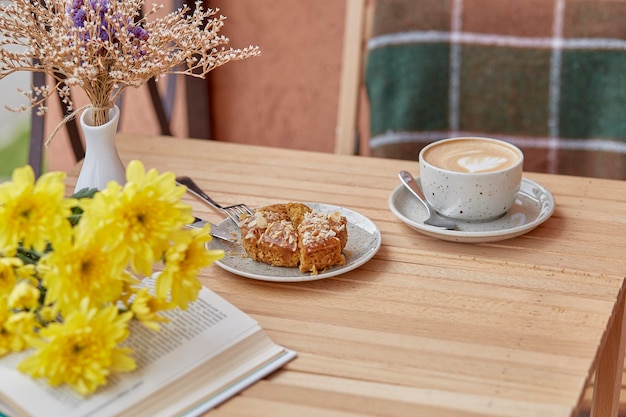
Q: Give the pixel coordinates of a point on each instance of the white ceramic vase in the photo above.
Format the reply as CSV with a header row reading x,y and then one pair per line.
x,y
102,163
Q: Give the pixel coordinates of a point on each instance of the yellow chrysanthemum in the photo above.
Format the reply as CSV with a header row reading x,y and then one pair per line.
x,y
183,261
82,351
23,326
76,328
97,218
48,313
8,342
8,274
27,272
24,296
14,328
146,307
78,270
33,213
128,291
141,215
6,337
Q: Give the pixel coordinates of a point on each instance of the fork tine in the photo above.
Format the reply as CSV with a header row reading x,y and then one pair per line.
x,y
232,213
235,212
242,209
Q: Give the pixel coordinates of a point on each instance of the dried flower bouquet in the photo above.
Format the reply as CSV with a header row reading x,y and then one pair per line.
x,y
106,46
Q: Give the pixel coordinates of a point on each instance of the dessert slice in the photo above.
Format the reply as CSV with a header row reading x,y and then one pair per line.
x,y
296,212
321,239
269,236
292,235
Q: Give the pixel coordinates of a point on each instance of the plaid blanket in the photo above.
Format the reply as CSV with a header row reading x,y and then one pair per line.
x,y
546,75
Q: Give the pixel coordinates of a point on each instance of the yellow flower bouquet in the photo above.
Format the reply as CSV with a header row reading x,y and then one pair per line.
x,y
71,269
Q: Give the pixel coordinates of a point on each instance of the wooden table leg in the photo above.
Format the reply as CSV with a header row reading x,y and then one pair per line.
x,y
608,382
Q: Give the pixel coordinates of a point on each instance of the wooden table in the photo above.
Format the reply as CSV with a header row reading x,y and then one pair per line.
x,y
427,327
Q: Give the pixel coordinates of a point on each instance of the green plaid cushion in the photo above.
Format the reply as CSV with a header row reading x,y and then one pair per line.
x,y
547,75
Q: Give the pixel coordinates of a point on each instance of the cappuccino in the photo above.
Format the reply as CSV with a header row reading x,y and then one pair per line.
x,y
468,178
473,155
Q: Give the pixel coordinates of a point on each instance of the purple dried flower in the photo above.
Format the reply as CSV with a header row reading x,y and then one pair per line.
x,y
78,17
138,32
78,14
101,5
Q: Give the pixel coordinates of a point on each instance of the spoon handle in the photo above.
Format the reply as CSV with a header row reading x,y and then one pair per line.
x,y
433,219
409,181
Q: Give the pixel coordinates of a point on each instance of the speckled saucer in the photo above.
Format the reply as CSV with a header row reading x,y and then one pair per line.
x,y
533,206
364,240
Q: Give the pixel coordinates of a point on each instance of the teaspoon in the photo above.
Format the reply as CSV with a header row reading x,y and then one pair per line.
x,y
433,218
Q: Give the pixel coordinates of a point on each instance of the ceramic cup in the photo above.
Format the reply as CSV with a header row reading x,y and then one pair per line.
x,y
471,178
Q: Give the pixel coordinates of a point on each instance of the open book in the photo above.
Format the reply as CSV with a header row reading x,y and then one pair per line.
x,y
203,356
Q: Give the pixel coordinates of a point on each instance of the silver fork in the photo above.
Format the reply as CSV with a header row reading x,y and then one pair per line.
x,y
234,212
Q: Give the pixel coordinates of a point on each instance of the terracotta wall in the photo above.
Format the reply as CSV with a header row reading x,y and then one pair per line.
x,y
288,96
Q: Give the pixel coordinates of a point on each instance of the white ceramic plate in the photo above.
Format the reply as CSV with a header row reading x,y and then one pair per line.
x,y
364,240
533,206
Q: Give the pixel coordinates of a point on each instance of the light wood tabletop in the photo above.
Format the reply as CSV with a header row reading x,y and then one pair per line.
x,y
426,327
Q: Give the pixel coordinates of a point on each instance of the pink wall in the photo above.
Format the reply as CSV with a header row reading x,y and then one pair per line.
x,y
288,96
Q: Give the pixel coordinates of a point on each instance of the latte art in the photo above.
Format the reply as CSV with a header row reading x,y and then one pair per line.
x,y
482,163
472,155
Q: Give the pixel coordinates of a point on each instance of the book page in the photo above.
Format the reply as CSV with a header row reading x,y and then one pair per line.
x,y
205,383
207,328
6,410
